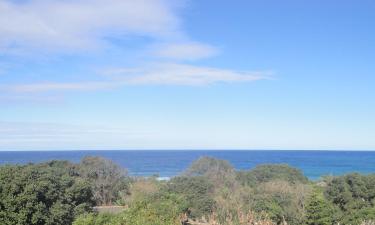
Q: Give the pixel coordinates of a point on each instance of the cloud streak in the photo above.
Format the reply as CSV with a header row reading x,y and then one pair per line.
x,y
155,74
184,74
186,51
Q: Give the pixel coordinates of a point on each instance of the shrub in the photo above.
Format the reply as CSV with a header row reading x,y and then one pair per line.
x,y
159,209
265,173
108,180
48,193
318,210
197,191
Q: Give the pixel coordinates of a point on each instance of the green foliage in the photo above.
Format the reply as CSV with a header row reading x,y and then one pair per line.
x,y
269,205
279,190
140,188
97,219
318,210
265,173
159,209
108,180
358,216
354,194
48,193
281,200
220,173
345,191
59,192
197,191
210,167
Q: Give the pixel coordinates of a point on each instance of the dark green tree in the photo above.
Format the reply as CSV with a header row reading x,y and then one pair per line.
x,y
318,210
354,194
48,193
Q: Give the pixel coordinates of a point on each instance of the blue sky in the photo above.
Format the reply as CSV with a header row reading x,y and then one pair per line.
x,y
163,74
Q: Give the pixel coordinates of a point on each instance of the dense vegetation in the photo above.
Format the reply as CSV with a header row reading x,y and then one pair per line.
x,y
209,192
56,192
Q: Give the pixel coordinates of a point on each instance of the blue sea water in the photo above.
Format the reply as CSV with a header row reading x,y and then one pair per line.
x,y
314,164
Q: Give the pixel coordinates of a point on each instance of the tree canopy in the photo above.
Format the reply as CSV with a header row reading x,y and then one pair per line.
x,y
48,193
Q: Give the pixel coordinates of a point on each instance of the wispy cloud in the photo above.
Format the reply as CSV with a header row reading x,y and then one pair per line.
x,y
184,74
36,135
82,24
186,51
155,74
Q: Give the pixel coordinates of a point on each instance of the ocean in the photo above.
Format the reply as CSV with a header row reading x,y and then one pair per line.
x,y
314,164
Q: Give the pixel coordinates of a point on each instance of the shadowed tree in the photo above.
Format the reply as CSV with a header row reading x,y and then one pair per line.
x,y
107,178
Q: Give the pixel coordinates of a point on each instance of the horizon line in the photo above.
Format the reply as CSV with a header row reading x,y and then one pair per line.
x,y
72,150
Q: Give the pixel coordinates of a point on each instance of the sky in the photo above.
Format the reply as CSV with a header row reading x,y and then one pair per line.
x,y
187,74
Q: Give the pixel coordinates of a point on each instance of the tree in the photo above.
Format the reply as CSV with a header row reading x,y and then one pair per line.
x,y
198,194
354,195
318,210
209,166
107,178
219,172
281,200
352,191
268,172
43,194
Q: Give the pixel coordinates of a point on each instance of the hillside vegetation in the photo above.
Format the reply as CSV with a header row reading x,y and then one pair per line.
x,y
209,192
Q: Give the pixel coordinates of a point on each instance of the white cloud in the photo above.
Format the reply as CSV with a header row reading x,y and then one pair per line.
x,y
81,24
188,51
184,74
156,74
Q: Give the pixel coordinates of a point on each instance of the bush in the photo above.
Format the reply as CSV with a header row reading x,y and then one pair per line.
x,y
159,209
108,180
354,195
345,190
208,166
318,210
220,173
48,193
281,200
97,219
139,189
265,173
197,191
